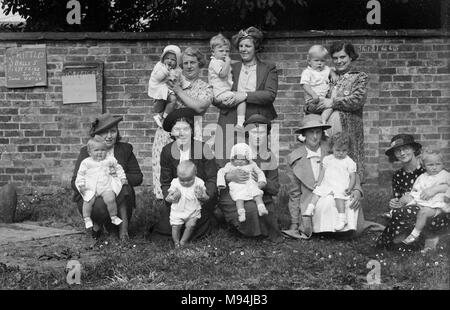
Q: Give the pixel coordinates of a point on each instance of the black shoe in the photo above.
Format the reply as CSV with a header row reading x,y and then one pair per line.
x,y
96,234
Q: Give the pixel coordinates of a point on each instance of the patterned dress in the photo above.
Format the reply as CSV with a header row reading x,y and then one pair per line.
x,y
349,92
196,89
404,219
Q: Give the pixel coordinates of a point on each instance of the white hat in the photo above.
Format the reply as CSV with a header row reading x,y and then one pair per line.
x,y
241,149
172,49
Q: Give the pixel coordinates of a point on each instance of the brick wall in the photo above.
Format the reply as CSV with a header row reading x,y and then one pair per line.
x,y
409,92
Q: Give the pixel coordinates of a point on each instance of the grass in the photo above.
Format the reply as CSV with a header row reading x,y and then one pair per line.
x,y
223,260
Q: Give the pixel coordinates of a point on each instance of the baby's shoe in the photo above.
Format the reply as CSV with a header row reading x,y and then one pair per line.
x,y
262,210
241,215
116,220
342,221
88,222
309,210
158,120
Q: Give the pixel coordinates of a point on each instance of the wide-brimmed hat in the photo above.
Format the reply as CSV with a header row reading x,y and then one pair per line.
x,y
172,49
104,122
258,119
311,121
175,115
401,140
251,32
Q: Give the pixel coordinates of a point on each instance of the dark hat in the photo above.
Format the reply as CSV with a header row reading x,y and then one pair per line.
x,y
311,121
258,119
175,115
400,140
252,32
103,122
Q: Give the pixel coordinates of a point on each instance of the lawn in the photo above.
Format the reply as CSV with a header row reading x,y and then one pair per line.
x,y
221,261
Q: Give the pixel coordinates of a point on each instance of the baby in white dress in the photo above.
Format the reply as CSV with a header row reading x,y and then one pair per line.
x,y
94,179
187,210
429,192
241,158
337,177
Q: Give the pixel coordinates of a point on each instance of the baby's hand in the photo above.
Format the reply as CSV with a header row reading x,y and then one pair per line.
x,y
227,59
261,185
427,193
446,199
405,199
200,193
112,171
124,181
348,191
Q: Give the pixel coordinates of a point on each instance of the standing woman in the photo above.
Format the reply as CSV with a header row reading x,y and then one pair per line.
x,y
405,150
192,93
348,96
106,126
255,82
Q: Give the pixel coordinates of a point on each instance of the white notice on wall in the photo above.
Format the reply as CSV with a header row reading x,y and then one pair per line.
x,y
79,88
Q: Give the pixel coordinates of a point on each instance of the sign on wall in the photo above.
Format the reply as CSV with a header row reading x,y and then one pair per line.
x,y
26,66
82,82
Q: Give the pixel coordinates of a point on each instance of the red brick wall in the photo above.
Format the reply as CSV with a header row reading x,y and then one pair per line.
x,y
409,91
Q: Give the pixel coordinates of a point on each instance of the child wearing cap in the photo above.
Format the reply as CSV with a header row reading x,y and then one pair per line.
x,y
241,158
165,69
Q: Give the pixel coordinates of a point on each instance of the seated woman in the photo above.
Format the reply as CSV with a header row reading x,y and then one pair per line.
x,y
180,125
304,163
255,224
106,126
405,150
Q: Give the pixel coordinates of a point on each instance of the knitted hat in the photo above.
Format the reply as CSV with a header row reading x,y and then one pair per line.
x,y
172,49
241,149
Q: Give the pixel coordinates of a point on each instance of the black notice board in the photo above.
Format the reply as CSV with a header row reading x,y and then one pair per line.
x,y
26,66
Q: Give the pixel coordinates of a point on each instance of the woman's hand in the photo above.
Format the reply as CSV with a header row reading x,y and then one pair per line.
x,y
261,185
173,196
427,193
355,199
394,203
238,176
326,103
234,101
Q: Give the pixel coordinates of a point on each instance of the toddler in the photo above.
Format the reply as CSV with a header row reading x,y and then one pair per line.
x,y
337,177
220,77
316,78
165,69
95,179
188,208
427,184
241,158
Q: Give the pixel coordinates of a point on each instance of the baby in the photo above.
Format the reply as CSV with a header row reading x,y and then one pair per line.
x,y
427,192
337,177
316,79
95,179
241,158
188,208
165,69
220,77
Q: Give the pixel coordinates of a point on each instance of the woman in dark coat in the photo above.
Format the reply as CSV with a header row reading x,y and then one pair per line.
x,y
106,125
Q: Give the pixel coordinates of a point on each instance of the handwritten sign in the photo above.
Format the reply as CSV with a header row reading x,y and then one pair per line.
x,y
26,66
79,88
82,83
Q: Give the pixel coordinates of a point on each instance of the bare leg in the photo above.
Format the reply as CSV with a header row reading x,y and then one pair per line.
x,y
241,110
311,206
262,210
240,210
109,197
171,104
123,228
423,216
189,228
340,205
87,211
176,231
342,218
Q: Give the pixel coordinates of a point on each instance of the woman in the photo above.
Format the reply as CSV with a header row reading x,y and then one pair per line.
x,y
348,96
254,82
255,225
404,149
106,125
304,163
180,125
192,93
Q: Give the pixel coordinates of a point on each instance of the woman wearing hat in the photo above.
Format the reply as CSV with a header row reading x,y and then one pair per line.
x,y
106,125
348,96
180,125
304,164
194,94
255,82
258,128
405,149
